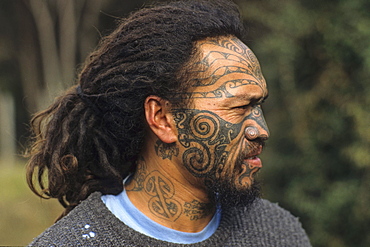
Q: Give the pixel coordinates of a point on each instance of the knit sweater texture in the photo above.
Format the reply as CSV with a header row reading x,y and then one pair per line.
x,y
92,224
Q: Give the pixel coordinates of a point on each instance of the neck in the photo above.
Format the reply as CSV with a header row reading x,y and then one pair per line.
x,y
169,195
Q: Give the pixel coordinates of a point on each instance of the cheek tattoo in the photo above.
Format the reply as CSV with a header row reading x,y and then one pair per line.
x,y
207,137
166,150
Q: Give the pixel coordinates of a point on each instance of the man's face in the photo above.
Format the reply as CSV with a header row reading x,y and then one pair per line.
x,y
225,99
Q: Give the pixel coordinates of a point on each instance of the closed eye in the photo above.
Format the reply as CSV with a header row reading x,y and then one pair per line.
x,y
243,106
252,103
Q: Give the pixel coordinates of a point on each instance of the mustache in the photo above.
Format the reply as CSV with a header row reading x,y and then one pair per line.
x,y
254,147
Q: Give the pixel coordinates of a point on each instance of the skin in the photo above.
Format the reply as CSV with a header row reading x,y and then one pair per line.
x,y
204,142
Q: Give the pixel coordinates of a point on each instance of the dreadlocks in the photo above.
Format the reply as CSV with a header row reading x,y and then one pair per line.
x,y
89,141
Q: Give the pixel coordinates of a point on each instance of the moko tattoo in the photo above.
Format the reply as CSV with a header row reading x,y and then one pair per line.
x,y
166,150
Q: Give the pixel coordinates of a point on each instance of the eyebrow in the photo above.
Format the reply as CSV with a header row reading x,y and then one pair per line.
x,y
252,98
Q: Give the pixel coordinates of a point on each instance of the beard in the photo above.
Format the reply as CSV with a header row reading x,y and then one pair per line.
x,y
225,194
224,190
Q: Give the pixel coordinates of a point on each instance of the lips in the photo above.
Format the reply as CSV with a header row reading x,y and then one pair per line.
x,y
252,159
254,162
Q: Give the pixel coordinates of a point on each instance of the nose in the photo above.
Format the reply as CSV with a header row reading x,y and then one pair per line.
x,y
252,133
258,128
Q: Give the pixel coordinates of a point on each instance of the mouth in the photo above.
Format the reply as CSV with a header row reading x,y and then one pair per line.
x,y
253,160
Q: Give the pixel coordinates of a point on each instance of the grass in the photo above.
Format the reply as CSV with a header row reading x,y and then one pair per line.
x,y
23,215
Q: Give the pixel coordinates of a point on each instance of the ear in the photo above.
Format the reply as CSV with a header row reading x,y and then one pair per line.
x,y
160,118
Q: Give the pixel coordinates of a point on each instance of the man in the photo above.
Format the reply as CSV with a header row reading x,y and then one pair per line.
x,y
158,144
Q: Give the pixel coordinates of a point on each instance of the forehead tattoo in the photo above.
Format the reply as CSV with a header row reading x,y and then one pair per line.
x,y
225,65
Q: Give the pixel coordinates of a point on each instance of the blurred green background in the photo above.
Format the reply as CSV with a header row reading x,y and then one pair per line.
x,y
314,54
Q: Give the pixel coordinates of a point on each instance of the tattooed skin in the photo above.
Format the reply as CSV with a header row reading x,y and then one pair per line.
x,y
140,174
162,191
196,210
225,98
166,150
228,56
207,137
213,154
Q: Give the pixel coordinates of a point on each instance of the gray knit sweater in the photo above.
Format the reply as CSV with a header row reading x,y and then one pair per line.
x,y
92,224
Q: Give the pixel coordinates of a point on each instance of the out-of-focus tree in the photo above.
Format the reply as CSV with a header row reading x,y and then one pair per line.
x,y
42,44
316,58
51,37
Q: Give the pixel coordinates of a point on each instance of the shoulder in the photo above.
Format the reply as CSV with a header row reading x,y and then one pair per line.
x,y
266,211
268,224
84,223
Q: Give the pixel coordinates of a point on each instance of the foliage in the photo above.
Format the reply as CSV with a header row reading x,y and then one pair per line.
x,y
315,56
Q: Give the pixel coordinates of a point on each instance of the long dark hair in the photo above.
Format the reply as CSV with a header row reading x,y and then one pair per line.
x,y
89,139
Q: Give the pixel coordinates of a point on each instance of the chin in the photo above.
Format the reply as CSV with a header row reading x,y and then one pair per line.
x,y
236,188
231,194
245,178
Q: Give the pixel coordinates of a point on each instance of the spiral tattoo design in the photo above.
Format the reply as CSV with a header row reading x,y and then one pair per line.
x,y
206,135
